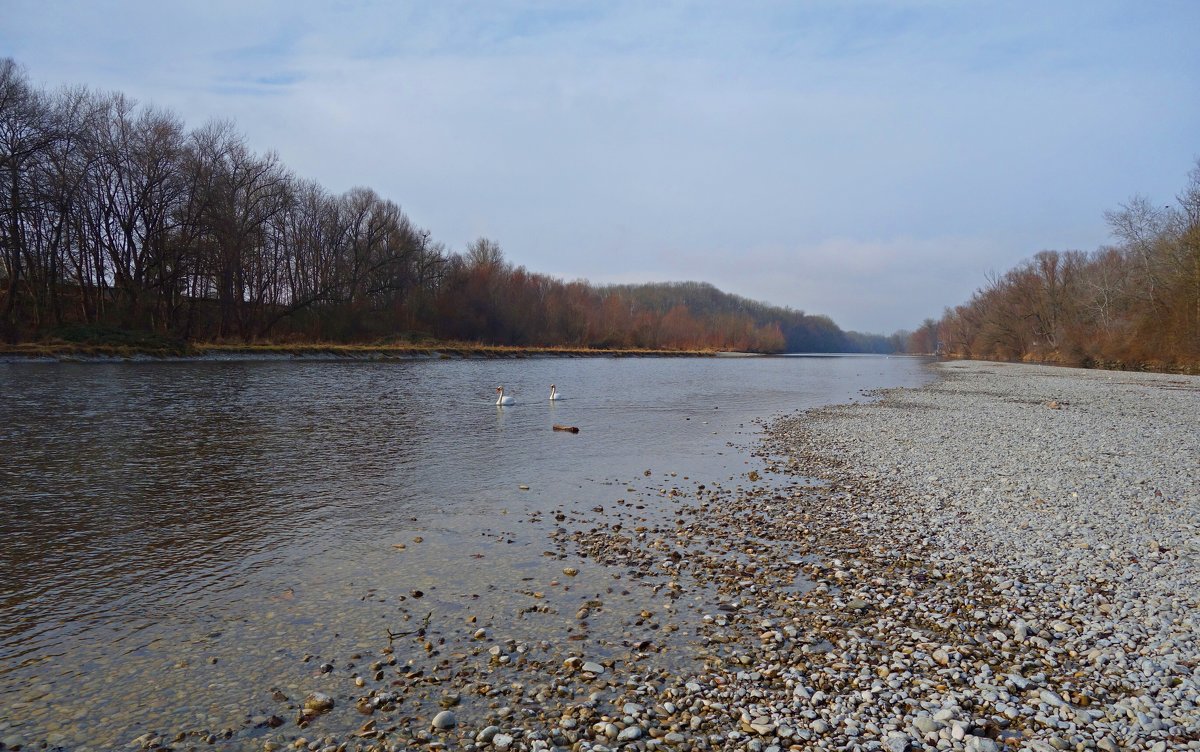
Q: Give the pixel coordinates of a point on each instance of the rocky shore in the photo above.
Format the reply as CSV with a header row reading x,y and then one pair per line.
x,y
1005,559
1031,559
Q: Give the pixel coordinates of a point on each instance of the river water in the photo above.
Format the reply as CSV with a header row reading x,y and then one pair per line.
x,y
176,538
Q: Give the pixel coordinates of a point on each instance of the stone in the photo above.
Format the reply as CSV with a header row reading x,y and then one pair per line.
x,y
981,744
1051,698
486,734
629,734
1018,681
444,720
318,702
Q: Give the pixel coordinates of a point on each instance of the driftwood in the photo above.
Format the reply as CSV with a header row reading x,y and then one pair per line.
x,y
569,429
418,632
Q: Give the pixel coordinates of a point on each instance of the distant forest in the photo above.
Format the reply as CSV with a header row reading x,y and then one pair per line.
x,y
115,215
1135,304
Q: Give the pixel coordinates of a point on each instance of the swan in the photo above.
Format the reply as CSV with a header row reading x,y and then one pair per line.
x,y
554,395
502,399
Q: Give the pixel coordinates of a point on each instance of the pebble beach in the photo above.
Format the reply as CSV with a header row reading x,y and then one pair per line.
x,y
1031,540
1006,558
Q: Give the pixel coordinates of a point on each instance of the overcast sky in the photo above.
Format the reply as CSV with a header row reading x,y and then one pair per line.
x,y
871,161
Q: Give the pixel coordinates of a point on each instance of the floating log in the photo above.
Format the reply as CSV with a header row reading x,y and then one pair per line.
x,y
571,429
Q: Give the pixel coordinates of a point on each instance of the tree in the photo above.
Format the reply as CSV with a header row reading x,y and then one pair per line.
x,y
26,133
113,214
924,341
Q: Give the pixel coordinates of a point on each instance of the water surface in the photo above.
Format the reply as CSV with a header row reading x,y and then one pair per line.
x,y
179,535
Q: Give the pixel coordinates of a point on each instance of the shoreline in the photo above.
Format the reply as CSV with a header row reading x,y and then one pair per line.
x,y
1149,366
900,574
852,600
1029,538
199,352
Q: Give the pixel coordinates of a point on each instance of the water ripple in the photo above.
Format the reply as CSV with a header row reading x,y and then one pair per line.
x,y
155,509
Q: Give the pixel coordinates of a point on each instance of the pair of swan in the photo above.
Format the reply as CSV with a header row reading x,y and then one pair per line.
x,y
504,399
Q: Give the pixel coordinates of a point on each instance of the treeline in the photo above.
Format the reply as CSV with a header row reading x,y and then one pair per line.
x,y
800,332
483,297
117,215
1133,304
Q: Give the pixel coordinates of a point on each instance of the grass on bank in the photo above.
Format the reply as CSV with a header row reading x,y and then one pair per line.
x,y
96,340
110,342
432,349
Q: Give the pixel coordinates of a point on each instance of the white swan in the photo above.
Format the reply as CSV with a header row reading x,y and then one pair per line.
x,y
554,395
502,399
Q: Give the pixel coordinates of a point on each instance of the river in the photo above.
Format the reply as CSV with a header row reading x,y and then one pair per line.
x,y
181,537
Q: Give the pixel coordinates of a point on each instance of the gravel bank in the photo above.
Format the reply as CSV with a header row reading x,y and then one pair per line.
x,y
1006,559
1066,504
1095,472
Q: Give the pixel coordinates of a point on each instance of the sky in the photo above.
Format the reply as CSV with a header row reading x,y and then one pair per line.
x,y
870,161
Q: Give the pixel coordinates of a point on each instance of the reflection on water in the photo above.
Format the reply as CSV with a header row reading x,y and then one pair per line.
x,y
161,515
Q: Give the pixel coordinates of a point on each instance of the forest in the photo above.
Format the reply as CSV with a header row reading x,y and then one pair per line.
x,y
117,217
1134,304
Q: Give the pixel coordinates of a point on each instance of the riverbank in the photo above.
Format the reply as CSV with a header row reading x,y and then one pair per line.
x,y
1006,558
1029,557
74,351
1182,367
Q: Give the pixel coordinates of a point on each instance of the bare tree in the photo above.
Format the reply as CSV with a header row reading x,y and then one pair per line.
x,y
26,132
